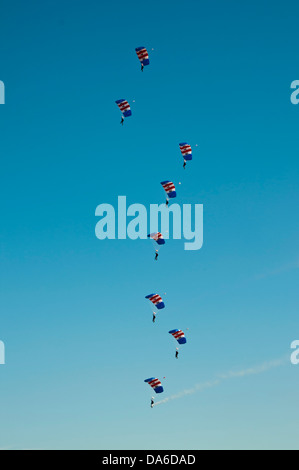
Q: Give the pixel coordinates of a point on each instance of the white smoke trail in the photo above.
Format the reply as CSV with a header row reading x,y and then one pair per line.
x,y
229,375
255,370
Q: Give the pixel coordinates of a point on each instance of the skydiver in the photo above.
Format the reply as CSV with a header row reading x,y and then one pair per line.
x,y
157,254
152,402
154,317
167,202
122,120
142,67
177,353
185,163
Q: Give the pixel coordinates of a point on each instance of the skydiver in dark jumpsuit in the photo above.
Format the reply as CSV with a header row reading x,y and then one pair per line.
x,y
185,163
122,120
152,402
177,353
154,317
157,254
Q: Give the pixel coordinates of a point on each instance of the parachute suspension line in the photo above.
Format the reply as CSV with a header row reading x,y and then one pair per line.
x,y
154,245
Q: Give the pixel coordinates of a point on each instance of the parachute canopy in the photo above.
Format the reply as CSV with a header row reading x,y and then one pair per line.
x,y
169,188
186,151
156,300
142,55
179,336
124,107
158,237
155,384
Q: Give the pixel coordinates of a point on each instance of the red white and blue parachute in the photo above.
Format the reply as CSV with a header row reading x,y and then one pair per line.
x,y
169,188
156,300
186,151
158,237
142,55
124,107
155,384
179,336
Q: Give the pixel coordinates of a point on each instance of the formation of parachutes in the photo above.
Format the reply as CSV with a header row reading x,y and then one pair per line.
x,y
157,237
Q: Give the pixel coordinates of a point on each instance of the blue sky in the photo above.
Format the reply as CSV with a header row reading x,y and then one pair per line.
x,y
77,329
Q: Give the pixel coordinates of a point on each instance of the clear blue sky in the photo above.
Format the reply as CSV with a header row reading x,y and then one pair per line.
x,y
77,329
